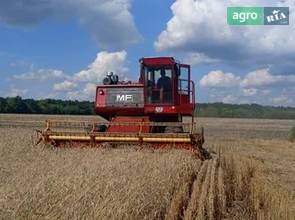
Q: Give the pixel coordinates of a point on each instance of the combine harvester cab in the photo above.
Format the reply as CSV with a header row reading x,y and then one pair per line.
x,y
149,112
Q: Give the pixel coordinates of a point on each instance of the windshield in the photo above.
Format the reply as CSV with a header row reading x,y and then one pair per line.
x,y
158,84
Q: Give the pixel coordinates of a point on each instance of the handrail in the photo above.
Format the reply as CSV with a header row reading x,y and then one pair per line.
x,y
193,101
194,104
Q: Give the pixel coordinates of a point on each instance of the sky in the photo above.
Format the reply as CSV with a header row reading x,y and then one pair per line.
x,y
63,49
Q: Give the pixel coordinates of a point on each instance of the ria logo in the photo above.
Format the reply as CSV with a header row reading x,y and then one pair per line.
x,y
276,15
124,98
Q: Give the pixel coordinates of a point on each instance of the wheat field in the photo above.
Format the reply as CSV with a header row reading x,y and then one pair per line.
x,y
251,175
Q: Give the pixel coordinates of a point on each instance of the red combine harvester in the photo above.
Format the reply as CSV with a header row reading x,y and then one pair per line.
x,y
148,112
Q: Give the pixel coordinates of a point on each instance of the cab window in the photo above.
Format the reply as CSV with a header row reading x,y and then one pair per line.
x,y
183,81
158,84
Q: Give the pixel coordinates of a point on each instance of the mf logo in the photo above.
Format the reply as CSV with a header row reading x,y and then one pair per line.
x,y
124,98
276,15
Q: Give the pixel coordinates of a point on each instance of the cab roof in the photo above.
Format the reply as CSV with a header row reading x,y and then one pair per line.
x,y
157,60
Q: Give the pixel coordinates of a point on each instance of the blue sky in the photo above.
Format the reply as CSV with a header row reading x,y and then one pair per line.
x,y
53,49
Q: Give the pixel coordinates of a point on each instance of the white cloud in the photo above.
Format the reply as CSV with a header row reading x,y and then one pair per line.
x,y
109,22
230,99
263,77
249,92
259,86
64,86
219,79
200,26
199,58
74,95
80,85
89,89
193,21
88,78
104,62
282,100
86,93
265,92
41,75
257,78
13,91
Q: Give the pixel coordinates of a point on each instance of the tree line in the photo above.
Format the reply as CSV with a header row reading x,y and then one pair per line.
x,y
244,111
52,106
45,106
